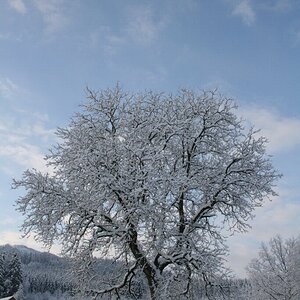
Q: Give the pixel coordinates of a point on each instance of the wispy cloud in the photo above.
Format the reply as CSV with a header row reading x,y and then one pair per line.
x,y
7,221
23,137
283,135
106,39
282,132
280,5
242,250
18,6
244,10
15,238
24,154
284,215
52,13
295,36
7,87
144,26
248,10
24,134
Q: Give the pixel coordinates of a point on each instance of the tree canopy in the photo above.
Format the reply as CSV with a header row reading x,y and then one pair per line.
x,y
275,274
10,273
149,179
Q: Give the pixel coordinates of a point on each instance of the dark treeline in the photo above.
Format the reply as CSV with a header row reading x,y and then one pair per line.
x,y
41,275
10,271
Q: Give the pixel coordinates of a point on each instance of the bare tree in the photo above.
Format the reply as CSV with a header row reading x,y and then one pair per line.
x,y
149,179
275,274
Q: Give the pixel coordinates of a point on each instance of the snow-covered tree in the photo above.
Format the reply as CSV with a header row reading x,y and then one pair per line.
x,y
275,274
150,180
14,273
2,274
19,295
10,272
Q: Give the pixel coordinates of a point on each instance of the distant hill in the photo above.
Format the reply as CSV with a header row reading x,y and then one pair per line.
x,y
25,249
43,272
49,277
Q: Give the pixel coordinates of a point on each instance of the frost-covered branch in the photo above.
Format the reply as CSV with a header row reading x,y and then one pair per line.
x,y
150,179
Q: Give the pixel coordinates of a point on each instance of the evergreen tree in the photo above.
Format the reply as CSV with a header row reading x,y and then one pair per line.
x,y
15,273
1,274
20,293
12,274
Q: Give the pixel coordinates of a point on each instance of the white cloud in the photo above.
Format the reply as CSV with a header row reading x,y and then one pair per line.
x,y
241,252
280,5
24,134
244,10
8,221
247,9
106,39
18,6
113,42
25,155
52,13
15,238
281,213
7,87
279,216
282,132
220,84
295,36
4,36
23,138
143,27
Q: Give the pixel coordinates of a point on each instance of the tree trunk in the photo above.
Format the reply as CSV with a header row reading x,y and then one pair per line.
x,y
152,282
148,270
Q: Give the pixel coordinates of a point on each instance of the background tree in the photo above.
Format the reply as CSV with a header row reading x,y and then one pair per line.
x,y
149,179
10,272
2,271
14,273
275,274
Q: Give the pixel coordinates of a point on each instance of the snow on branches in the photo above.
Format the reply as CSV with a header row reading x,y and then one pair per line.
x,y
150,179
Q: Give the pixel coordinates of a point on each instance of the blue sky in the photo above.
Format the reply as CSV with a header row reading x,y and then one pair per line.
x,y
50,50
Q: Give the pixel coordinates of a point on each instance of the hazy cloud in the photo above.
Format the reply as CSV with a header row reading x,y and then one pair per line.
x,y
144,26
295,34
242,250
247,10
106,39
8,221
7,87
282,132
18,6
15,238
280,5
283,135
24,154
282,211
52,14
244,10
284,215
23,137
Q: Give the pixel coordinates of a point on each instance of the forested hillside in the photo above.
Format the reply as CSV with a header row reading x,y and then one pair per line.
x,y
38,273
44,276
